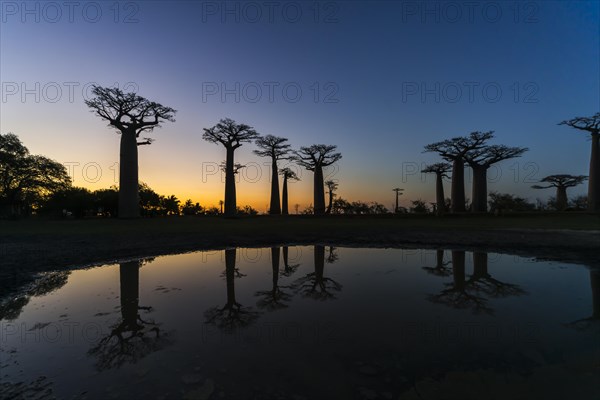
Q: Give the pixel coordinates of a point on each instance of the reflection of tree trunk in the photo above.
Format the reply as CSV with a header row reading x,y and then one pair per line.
x,y
458,269
230,196
275,206
479,194
129,206
458,185
319,195
561,198
439,258
595,282
275,264
439,195
130,279
480,265
593,184
230,255
284,197
319,263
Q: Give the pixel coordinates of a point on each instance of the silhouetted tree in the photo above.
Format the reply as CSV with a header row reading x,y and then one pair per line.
x,y
314,158
561,183
288,269
480,160
275,298
419,207
170,205
233,315
275,148
189,208
331,187
132,338
441,171
288,175
26,179
454,150
507,202
315,284
440,268
77,201
130,115
591,125
456,294
481,280
231,135
398,193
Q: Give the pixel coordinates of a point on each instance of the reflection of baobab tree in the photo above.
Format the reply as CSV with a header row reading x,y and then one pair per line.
x,y
232,315
288,269
11,308
594,319
275,298
440,268
481,281
133,337
455,294
315,284
332,255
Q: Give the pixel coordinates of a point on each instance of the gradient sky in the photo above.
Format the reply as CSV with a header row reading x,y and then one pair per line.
x,y
378,78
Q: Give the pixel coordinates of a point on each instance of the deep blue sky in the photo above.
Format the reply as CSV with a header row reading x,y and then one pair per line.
x,y
374,58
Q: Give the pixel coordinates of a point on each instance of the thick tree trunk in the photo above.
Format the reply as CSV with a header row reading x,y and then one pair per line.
x,y
319,195
458,186
284,197
561,198
458,269
275,251
594,178
129,202
480,265
319,262
230,197
479,194
595,282
439,195
230,275
275,207
129,274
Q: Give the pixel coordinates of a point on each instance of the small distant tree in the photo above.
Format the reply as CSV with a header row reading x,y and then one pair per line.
x,y
500,202
288,175
419,207
170,205
189,208
131,115
315,158
231,135
561,183
398,193
276,149
591,125
579,203
441,171
331,187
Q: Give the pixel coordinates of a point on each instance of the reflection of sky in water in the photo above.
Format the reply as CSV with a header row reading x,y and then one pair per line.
x,y
333,322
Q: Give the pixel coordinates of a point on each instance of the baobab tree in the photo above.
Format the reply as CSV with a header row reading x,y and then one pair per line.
x,y
275,148
131,115
591,125
480,160
398,193
288,175
331,187
274,298
561,183
441,171
314,158
231,135
454,150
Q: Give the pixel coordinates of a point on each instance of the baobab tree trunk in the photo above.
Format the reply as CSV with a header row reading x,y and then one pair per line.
x,y
458,269
275,251
230,255
594,184
275,207
458,185
439,195
319,262
284,197
129,274
129,203
561,198
319,195
479,194
230,198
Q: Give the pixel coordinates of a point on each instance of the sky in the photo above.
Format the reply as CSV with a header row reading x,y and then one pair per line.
x,y
379,79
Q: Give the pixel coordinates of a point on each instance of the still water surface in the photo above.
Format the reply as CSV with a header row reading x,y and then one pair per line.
x,y
308,322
